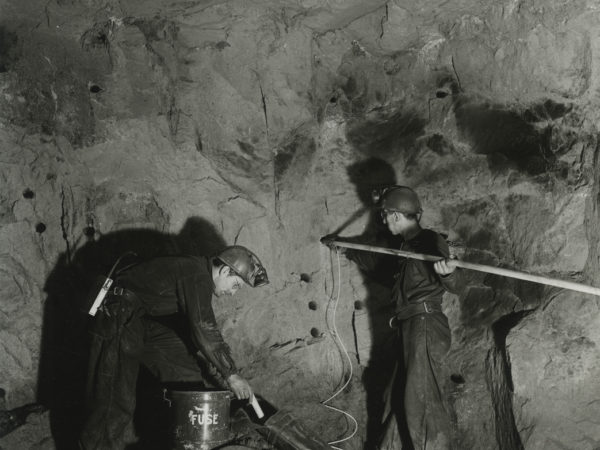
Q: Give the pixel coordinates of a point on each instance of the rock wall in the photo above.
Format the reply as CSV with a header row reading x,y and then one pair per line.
x,y
184,126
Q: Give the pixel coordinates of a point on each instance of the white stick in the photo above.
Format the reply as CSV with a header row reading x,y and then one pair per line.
x,y
479,267
257,409
100,297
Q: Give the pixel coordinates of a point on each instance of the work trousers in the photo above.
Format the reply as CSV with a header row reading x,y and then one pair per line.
x,y
122,339
424,417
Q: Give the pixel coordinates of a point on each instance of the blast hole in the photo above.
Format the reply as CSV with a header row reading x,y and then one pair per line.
x,y
28,193
94,88
314,332
89,231
358,305
457,378
40,227
333,100
312,305
441,94
305,277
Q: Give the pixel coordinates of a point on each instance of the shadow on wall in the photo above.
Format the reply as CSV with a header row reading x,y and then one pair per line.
x,y
64,345
386,135
509,138
374,340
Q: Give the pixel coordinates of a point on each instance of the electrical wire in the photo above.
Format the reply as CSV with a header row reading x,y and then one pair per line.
x,y
345,352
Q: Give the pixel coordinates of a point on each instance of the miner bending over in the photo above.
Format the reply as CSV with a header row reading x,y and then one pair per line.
x,y
127,332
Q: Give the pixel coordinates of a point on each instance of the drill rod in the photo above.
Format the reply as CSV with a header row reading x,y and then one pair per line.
x,y
478,267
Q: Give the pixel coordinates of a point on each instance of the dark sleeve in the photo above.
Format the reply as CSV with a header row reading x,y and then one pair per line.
x,y
377,266
196,294
451,281
365,260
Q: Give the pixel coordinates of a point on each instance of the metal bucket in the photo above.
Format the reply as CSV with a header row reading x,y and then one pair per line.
x,y
200,419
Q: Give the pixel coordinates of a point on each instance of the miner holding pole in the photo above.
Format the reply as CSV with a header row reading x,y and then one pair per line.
x,y
423,327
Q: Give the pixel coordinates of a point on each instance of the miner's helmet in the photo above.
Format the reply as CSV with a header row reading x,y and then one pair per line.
x,y
245,264
397,198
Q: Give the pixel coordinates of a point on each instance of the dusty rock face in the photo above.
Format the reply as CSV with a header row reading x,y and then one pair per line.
x,y
556,344
185,126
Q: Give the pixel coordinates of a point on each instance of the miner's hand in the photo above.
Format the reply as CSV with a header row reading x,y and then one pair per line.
x,y
445,267
240,387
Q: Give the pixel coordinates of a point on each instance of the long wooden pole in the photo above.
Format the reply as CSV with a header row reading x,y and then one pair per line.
x,y
479,267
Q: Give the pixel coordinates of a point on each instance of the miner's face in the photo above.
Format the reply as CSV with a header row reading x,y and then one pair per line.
x,y
396,222
227,282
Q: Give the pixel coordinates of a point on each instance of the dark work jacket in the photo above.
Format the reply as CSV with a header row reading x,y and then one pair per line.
x,y
182,284
414,280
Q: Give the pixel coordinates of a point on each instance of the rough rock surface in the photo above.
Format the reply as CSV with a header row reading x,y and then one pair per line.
x,y
187,125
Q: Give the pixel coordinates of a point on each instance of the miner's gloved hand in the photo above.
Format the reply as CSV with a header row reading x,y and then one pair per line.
x,y
240,387
445,267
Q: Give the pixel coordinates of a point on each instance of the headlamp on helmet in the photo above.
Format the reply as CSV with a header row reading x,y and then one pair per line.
x,y
245,264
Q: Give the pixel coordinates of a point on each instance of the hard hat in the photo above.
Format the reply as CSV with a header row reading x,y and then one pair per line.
x,y
398,198
245,264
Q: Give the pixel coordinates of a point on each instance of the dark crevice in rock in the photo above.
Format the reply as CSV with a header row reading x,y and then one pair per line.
x,y
198,142
173,116
9,49
499,380
237,235
456,74
64,225
384,19
292,345
592,218
264,105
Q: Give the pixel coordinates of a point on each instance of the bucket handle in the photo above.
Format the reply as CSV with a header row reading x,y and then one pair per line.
x,y
253,402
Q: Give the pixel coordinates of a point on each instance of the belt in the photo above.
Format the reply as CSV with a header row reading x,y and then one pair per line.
x,y
415,309
156,309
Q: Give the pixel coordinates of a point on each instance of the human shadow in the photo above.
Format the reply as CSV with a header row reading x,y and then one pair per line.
x,y
65,342
376,343
511,139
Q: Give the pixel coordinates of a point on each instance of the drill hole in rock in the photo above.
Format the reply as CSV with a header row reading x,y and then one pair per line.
x,y
89,231
40,227
358,305
312,305
305,277
28,194
314,332
457,378
94,88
